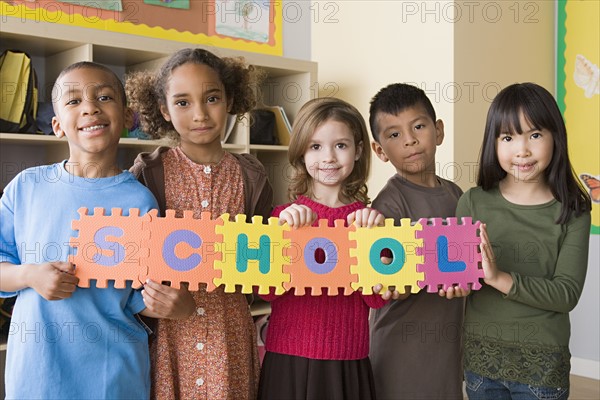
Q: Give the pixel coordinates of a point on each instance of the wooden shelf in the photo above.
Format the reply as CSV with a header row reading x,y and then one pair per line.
x,y
289,83
268,147
45,140
30,139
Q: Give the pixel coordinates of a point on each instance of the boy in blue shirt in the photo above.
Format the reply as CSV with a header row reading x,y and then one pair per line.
x,y
67,342
415,340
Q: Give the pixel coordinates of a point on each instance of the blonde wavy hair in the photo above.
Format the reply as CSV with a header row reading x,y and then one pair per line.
x,y
312,115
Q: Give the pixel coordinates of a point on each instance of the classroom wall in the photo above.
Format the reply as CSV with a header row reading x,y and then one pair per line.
x,y
461,53
362,46
296,29
496,46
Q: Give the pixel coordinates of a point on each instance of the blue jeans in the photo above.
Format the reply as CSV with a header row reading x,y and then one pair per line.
x,y
481,388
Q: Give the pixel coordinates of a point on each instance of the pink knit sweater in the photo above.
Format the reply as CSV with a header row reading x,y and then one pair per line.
x,y
321,327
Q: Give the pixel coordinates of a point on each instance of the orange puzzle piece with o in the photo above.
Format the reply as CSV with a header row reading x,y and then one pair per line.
x,y
304,267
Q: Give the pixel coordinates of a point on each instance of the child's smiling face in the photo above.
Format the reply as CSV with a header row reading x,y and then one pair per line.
x,y
525,156
409,140
196,105
90,111
331,154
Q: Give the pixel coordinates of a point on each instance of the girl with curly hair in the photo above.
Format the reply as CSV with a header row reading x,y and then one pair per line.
x,y
212,354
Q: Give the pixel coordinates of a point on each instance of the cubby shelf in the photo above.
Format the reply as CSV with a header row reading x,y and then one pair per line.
x,y
289,83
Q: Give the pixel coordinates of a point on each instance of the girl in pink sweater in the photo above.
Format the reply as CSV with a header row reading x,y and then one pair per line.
x,y
317,346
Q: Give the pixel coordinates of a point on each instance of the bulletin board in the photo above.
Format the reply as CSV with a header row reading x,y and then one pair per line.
x,y
578,91
254,26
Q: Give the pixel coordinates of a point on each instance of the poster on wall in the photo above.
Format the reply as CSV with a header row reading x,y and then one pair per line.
x,y
253,26
243,19
578,91
184,4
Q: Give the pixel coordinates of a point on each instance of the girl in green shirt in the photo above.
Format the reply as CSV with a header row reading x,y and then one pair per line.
x,y
534,254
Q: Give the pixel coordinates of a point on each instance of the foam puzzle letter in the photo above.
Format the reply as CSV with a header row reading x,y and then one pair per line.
x,y
206,253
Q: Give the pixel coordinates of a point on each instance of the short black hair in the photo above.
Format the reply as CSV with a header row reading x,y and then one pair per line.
x,y
394,99
118,84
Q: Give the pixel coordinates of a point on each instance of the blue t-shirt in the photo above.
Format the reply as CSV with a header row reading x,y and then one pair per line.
x,y
87,346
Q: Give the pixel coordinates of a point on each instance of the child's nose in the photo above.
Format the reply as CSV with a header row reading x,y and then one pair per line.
x,y
90,106
410,139
200,113
523,149
329,154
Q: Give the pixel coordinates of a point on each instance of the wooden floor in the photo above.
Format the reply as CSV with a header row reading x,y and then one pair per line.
x,y
584,388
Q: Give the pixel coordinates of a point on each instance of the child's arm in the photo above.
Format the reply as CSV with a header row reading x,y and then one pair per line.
x,y
166,302
561,292
52,280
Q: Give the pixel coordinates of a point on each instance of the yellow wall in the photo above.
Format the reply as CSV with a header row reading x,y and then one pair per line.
x,y
461,53
582,110
489,55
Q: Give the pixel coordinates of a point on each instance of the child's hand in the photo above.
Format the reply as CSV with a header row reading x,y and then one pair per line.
x,y
366,217
493,276
488,260
53,280
166,302
454,291
297,216
390,293
488,263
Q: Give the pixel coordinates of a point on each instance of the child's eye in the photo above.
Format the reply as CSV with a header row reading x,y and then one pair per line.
x,y
104,98
394,135
213,99
315,146
536,135
419,126
181,103
73,102
506,138
341,145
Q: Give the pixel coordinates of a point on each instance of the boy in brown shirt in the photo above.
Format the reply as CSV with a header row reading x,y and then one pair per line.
x,y
415,340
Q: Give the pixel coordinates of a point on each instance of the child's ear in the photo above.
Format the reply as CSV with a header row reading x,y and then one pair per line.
x,y
378,150
439,132
359,150
129,118
165,113
56,128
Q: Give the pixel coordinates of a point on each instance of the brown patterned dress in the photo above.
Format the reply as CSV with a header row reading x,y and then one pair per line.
x,y
212,354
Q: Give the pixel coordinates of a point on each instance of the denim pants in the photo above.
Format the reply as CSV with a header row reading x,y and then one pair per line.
x,y
481,388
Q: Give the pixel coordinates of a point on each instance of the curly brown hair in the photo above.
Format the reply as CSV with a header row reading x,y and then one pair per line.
x,y
312,115
146,91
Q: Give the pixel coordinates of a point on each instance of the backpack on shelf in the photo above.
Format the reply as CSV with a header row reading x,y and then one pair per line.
x,y
18,80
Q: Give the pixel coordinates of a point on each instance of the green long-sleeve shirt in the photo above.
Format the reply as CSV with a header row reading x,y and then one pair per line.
x,y
524,336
